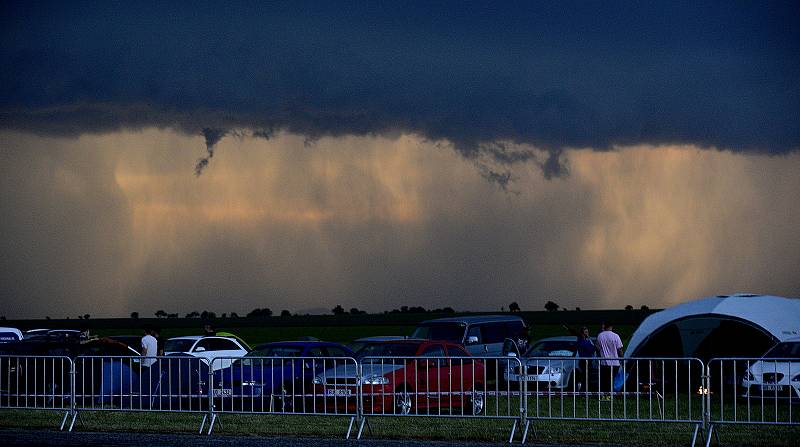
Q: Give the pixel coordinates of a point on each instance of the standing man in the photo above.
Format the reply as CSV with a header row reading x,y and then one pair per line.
x,y
610,347
149,353
584,350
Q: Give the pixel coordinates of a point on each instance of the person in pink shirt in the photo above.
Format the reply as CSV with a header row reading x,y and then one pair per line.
x,y
609,345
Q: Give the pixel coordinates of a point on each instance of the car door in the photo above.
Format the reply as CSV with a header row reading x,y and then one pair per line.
x,y
434,376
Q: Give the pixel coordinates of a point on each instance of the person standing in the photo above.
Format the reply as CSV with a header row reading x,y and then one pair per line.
x,y
149,353
584,350
609,345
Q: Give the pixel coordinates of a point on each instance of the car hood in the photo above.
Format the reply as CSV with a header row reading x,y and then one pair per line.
x,y
349,371
551,362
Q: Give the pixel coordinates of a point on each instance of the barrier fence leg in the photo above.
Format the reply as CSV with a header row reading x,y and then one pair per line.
x,y
513,432
350,427
74,416
211,423
525,431
710,433
694,435
64,420
202,424
361,427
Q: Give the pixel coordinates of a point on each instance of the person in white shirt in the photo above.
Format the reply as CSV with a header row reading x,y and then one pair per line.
x,y
610,347
149,353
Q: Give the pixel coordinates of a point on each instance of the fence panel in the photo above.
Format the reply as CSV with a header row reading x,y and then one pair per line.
x,y
122,383
754,391
286,385
637,389
35,382
438,386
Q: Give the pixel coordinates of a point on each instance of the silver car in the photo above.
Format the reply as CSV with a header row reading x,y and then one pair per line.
x,y
550,363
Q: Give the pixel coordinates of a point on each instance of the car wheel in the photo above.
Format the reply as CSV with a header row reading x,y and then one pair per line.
x,y
477,400
403,402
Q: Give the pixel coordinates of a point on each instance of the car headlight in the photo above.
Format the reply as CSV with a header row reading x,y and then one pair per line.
x,y
375,380
318,380
248,382
555,370
796,378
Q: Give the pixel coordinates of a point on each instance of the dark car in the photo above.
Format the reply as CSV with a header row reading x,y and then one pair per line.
x,y
38,369
275,376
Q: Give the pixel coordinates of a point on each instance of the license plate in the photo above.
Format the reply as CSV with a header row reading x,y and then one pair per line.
x,y
338,392
772,387
524,378
222,392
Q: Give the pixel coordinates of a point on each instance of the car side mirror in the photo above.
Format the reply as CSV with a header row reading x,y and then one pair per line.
x,y
512,354
471,340
199,349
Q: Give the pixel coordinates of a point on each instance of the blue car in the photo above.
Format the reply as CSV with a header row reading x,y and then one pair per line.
x,y
275,376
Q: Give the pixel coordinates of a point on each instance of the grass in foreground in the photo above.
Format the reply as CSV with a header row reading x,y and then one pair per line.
x,y
632,434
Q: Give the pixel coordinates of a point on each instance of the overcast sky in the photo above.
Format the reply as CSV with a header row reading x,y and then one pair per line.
x,y
195,156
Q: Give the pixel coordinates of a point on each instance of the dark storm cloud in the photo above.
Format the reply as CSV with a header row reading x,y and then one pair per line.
x,y
582,75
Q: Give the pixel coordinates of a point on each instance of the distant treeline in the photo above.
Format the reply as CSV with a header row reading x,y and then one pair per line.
x,y
391,318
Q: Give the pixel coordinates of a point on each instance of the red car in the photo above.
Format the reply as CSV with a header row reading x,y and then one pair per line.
x,y
406,377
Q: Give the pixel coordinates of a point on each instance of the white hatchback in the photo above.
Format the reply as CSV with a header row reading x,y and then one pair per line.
x,y
207,348
776,374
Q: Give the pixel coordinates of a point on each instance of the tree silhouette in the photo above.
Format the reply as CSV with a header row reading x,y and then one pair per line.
x,y
551,306
265,312
286,313
160,314
338,310
135,315
628,307
513,307
644,307
85,316
234,315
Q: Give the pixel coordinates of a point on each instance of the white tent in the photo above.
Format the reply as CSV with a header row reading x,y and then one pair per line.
x,y
741,325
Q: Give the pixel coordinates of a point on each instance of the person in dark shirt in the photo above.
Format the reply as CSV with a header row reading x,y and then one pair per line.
x,y
584,350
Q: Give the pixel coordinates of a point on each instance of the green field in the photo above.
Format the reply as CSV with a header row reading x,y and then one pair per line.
x,y
563,432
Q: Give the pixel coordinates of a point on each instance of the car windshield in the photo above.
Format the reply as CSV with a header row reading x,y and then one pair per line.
x,y
179,345
786,350
251,358
552,348
387,350
453,332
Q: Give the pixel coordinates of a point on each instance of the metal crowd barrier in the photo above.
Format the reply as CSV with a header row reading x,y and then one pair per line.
x,y
728,391
758,391
314,386
663,390
37,383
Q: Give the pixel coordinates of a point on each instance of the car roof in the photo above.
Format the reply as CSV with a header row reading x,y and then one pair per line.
x,y
561,338
301,343
381,338
199,337
476,319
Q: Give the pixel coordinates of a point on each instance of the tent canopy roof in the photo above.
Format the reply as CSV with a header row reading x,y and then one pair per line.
x,y
777,316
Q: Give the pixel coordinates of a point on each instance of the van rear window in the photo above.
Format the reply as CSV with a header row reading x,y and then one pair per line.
x,y
453,332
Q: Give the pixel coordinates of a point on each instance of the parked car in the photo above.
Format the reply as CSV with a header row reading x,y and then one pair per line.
x,y
38,366
776,374
282,371
550,363
9,334
207,348
405,377
482,335
359,343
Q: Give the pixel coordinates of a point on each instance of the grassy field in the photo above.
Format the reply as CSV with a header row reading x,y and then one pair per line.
x,y
564,432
